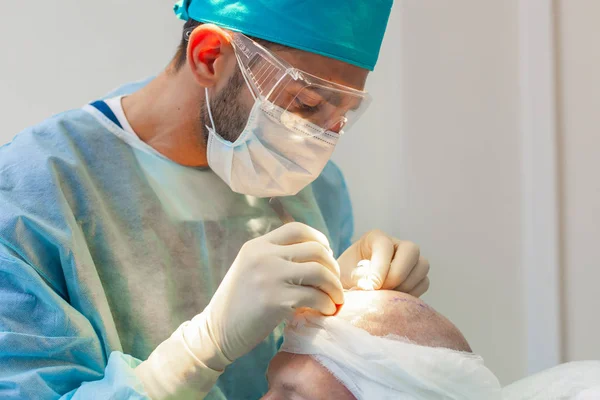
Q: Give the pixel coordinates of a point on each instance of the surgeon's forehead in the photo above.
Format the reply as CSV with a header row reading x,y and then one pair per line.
x,y
326,68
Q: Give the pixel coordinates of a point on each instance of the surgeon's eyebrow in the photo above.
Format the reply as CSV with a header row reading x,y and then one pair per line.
x,y
289,387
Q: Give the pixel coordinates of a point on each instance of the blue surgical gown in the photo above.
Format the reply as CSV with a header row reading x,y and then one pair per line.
x,y
107,247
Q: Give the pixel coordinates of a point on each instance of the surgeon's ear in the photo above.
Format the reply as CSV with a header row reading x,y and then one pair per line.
x,y
209,54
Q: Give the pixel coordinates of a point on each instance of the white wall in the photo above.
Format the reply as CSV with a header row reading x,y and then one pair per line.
x,y
579,82
58,55
436,160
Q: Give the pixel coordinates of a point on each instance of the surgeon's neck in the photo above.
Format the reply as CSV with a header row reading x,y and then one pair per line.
x,y
165,114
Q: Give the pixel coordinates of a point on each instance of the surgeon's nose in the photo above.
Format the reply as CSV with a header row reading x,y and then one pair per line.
x,y
338,127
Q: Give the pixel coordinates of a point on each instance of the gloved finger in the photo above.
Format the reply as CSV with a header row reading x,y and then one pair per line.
x,y
419,272
421,288
319,277
309,297
361,275
405,260
297,232
311,252
379,248
364,277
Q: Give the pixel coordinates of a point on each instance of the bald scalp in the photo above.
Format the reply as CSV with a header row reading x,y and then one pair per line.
x,y
385,312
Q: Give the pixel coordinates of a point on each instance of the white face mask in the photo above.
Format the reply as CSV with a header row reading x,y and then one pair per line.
x,y
277,154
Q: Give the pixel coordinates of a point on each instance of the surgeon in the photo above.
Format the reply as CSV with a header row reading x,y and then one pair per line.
x,y
139,255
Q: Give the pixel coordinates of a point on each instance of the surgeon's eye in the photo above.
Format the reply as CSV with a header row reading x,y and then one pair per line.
x,y
306,107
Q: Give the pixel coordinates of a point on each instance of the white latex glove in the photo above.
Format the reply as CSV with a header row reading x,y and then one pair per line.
x,y
272,276
391,264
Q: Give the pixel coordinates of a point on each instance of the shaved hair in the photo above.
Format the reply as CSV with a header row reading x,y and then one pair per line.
x,y
384,313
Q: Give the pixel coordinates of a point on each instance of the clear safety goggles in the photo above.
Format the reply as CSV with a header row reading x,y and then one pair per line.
x,y
295,97
298,95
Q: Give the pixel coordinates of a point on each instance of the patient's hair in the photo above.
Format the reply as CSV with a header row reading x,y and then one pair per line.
x,y
383,313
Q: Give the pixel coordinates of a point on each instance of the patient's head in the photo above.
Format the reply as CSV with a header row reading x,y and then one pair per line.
x,y
381,313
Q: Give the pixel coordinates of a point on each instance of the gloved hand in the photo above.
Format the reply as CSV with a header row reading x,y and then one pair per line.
x,y
273,276
392,264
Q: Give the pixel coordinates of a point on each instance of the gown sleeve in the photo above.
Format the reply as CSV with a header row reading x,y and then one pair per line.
x,y
331,193
48,350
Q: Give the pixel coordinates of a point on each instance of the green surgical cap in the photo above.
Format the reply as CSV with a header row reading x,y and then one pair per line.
x,y
347,30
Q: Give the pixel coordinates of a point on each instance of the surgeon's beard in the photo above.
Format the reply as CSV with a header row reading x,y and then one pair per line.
x,y
229,113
